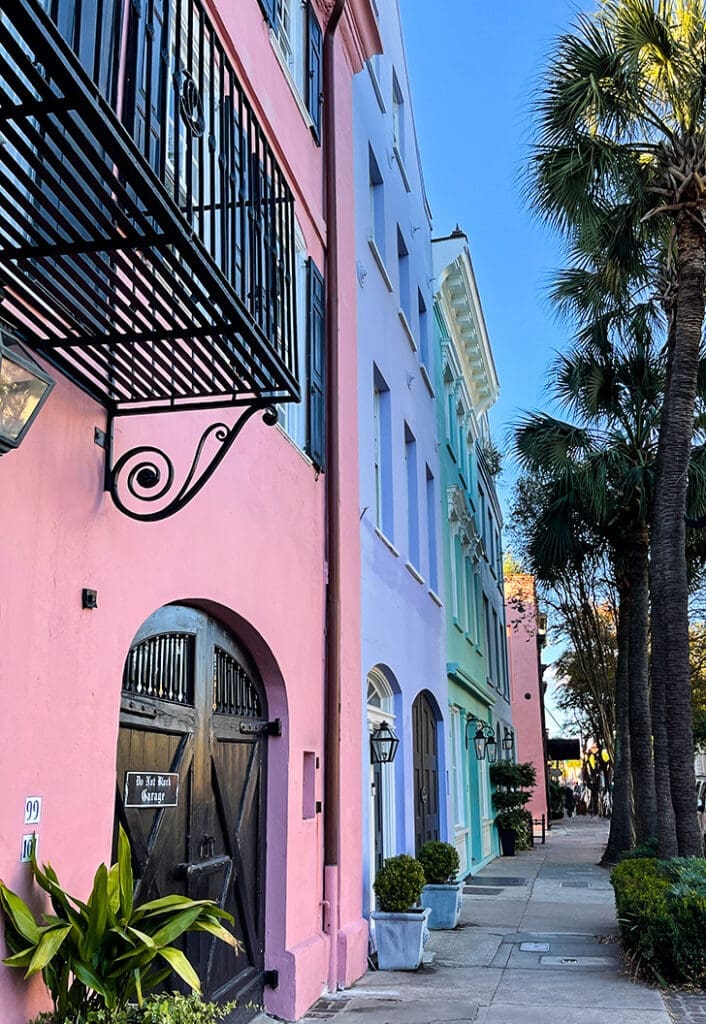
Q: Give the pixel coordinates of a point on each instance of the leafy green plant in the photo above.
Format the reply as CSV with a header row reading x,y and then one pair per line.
x,y
661,907
510,798
101,954
440,862
164,1008
399,883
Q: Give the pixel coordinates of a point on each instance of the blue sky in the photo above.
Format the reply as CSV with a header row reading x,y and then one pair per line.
x,y
473,67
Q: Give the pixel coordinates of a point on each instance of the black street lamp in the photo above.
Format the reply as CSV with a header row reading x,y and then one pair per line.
x,y
508,739
383,744
483,741
24,387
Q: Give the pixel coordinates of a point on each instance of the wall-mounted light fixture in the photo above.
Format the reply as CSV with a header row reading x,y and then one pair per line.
x,y
383,744
508,739
484,742
24,387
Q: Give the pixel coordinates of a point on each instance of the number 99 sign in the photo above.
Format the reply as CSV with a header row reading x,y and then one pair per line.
x,y
33,810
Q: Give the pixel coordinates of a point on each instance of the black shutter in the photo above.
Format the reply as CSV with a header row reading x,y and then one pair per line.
x,y
270,9
313,67
316,354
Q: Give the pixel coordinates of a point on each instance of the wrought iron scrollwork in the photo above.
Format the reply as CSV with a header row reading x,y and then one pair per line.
x,y
145,474
191,105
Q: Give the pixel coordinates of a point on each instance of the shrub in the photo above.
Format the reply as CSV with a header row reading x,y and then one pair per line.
x,y
105,952
164,1008
439,862
510,798
642,850
661,907
399,883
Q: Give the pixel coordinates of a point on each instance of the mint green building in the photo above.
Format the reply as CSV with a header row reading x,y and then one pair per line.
x,y
466,386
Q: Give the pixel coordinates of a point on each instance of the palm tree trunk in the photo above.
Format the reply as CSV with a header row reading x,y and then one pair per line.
x,y
666,827
670,619
621,837
636,571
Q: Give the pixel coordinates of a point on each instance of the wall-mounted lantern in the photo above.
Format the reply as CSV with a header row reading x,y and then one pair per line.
x,y
508,740
24,387
383,744
484,741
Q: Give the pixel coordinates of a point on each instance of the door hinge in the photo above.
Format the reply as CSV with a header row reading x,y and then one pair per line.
x,y
272,979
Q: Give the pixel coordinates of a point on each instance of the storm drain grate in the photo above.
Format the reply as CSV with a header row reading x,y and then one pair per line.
x,y
480,890
574,885
495,880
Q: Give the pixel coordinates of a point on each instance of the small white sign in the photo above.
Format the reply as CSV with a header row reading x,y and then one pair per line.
x,y
29,843
33,810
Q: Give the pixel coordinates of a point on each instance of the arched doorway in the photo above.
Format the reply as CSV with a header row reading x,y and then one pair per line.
x,y
426,771
380,708
191,785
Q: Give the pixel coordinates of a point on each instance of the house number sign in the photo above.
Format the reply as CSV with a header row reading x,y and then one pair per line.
x,y
151,789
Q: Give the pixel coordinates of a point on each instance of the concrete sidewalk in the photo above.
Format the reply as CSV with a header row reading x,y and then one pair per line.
x,y
537,944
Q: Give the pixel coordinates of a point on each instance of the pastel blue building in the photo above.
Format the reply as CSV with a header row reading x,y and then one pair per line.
x,y
403,625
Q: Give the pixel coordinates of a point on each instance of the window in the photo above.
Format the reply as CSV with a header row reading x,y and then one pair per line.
x,y
460,584
431,531
298,34
382,445
453,583
497,674
488,645
403,278
397,119
410,457
423,330
293,415
305,421
377,205
472,616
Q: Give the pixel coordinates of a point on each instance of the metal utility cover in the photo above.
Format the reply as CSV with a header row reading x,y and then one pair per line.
x,y
574,885
535,947
578,961
480,890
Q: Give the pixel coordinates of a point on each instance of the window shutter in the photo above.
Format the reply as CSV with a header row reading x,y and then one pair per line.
x,y
316,354
313,67
270,8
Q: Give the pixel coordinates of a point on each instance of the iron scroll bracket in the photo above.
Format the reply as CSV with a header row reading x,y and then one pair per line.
x,y
145,475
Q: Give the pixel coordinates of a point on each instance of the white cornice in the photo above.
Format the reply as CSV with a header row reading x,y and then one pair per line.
x,y
457,293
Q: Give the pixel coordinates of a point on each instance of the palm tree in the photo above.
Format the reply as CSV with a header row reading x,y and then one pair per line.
x,y
622,117
601,470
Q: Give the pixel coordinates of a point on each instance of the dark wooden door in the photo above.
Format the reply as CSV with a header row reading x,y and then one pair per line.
x,y
192,704
426,772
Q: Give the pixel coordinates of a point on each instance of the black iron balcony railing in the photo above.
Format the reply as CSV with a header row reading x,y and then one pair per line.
x,y
146,229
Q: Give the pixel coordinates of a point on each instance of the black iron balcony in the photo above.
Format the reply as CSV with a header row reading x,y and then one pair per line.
x,y
146,229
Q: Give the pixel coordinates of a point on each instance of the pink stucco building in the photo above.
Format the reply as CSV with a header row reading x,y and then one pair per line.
x,y
204,656
526,636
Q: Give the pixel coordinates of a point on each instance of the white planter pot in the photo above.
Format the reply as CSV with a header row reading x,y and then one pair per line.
x,y
401,939
445,903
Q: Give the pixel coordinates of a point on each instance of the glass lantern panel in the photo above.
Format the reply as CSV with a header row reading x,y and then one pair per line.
x,y
20,394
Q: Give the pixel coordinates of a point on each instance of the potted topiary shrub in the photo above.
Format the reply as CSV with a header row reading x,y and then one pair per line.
x,y
442,893
509,799
400,925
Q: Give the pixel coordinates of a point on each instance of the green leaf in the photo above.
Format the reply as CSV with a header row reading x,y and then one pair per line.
x,y
142,937
87,976
166,903
21,959
180,923
181,966
125,878
19,914
98,914
47,946
219,931
114,892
